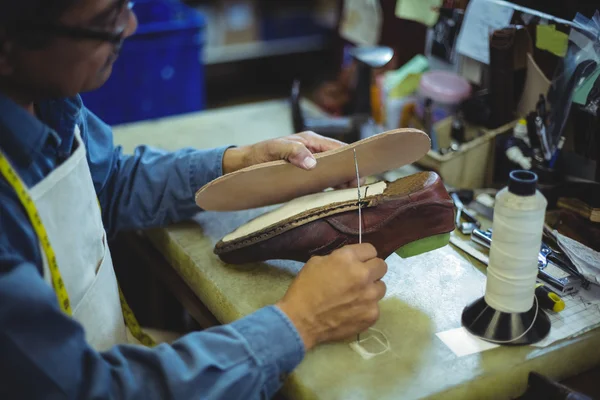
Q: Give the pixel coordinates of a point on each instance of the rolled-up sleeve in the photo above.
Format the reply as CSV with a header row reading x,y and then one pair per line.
x,y
44,354
150,187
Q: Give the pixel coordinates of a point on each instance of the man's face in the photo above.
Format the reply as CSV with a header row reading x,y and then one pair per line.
x,y
67,66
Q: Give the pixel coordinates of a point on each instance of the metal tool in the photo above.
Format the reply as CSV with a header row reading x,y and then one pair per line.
x,y
367,58
471,223
359,207
554,269
541,132
483,238
557,256
359,212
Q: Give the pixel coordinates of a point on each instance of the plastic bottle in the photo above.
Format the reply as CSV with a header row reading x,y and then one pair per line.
x,y
520,131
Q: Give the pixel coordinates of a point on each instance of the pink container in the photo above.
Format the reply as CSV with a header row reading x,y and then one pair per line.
x,y
444,87
446,90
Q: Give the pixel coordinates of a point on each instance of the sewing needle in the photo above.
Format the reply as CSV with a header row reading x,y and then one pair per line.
x,y
358,189
359,213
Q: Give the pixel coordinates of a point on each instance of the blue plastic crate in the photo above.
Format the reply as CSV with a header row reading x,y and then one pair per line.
x,y
159,71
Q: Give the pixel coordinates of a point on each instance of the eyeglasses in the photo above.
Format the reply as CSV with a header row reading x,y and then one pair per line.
x,y
114,36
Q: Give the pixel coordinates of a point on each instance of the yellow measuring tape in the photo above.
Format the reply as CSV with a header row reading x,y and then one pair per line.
x,y
17,184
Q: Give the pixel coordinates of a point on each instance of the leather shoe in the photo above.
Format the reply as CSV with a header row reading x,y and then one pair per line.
x,y
410,216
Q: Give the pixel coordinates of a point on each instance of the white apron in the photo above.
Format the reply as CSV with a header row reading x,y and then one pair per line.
x,y
68,206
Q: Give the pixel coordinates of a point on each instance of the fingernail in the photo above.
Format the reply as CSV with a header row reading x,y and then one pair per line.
x,y
309,163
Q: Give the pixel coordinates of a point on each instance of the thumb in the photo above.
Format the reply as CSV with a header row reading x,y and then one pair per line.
x,y
299,155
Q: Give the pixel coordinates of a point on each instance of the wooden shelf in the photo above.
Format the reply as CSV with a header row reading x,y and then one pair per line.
x,y
260,49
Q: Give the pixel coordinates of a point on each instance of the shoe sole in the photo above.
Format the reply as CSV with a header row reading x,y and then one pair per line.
x,y
400,188
424,245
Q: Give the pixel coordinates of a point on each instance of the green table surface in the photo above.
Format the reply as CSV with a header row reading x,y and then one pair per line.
x,y
426,294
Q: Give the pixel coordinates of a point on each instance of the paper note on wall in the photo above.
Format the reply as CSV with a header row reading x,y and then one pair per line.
x,y
423,11
238,16
548,38
471,70
361,22
481,19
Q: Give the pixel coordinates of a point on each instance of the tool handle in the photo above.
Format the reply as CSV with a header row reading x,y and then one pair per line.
x,y
482,238
549,299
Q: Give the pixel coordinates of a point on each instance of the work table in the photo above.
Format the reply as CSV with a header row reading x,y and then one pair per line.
x,y
426,294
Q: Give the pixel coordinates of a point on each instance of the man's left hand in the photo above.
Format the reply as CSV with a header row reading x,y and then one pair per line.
x,y
297,149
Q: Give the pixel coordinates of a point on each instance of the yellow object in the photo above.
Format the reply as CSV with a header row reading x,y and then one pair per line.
x,y
424,11
408,86
376,106
559,304
546,297
407,115
57,282
548,38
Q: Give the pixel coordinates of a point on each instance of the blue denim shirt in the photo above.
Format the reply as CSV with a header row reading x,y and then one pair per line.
x,y
43,352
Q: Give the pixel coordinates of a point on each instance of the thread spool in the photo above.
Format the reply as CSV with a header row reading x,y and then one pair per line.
x,y
508,314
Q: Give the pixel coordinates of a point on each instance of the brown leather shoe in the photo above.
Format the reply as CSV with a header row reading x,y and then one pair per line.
x,y
411,216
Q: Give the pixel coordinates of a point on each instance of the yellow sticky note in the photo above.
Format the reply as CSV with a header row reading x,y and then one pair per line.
x,y
408,86
424,11
548,38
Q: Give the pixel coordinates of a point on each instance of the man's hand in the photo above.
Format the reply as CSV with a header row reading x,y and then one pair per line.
x,y
297,149
336,297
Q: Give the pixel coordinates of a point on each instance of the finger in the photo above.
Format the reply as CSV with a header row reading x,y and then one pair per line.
x,y
318,144
363,252
380,289
294,152
377,269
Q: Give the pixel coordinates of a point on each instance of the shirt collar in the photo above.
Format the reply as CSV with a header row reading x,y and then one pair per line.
x,y
23,135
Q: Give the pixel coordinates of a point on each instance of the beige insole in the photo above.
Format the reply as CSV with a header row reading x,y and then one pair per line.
x,y
303,204
252,187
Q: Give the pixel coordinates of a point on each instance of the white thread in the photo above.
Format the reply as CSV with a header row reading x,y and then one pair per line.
x,y
512,270
359,213
366,354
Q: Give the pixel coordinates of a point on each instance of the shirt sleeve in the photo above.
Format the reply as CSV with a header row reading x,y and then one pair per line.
x,y
44,353
149,188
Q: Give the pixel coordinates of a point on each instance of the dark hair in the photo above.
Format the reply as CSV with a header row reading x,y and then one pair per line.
x,y
15,11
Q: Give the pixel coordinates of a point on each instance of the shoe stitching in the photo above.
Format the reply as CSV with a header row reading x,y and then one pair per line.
x,y
221,248
287,226
339,225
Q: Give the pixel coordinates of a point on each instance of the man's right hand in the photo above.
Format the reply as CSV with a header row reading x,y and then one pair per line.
x,y
336,296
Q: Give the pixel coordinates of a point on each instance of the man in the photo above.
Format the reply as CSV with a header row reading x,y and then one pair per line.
x,y
83,188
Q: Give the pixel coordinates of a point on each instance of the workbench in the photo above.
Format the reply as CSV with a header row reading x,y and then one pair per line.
x,y
426,294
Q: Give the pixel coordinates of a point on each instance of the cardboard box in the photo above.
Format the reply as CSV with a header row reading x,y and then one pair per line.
x,y
472,166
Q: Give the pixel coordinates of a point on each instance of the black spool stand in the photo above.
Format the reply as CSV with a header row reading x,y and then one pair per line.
x,y
492,325
483,321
